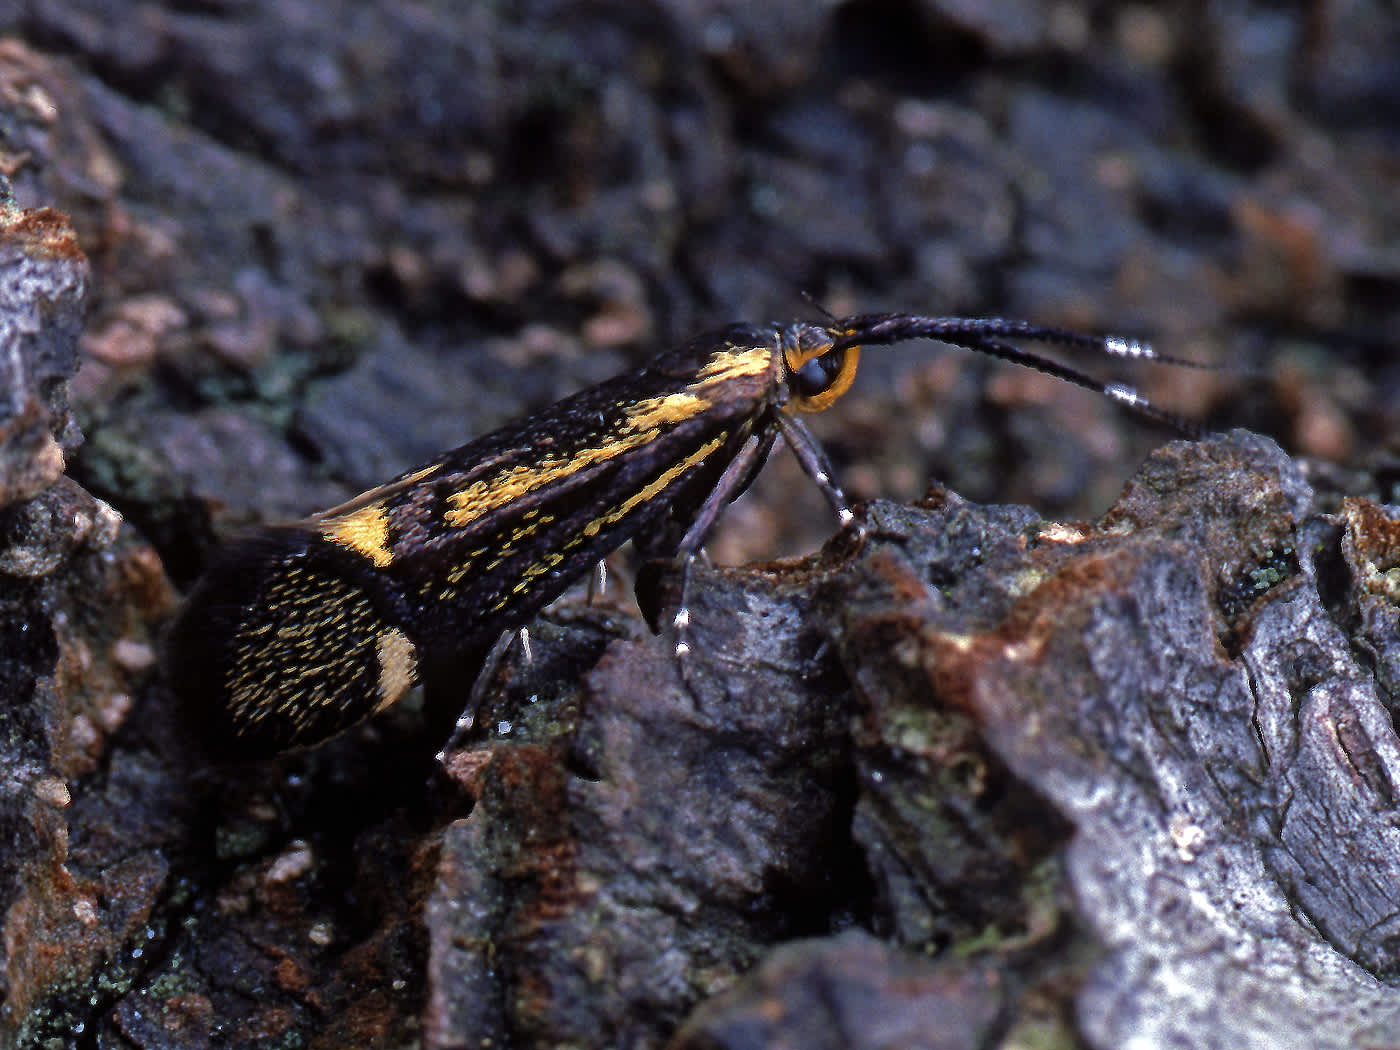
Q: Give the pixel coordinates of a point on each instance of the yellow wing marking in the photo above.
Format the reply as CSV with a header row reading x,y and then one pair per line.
x,y
364,531
398,666
641,425
735,363
612,517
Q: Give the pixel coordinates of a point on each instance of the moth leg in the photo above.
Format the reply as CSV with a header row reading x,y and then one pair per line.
x,y
496,657
816,466
736,477
597,582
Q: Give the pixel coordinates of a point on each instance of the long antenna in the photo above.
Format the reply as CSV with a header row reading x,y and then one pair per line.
x,y
985,335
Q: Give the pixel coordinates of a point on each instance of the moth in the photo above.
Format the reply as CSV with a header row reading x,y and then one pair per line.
x,y
301,630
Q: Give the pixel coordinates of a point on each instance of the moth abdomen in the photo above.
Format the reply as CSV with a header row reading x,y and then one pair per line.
x,y
287,640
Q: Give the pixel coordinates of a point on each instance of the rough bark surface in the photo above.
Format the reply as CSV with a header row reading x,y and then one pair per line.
x,y
986,776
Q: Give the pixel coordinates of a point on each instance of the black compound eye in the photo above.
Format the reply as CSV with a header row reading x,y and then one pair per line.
x,y
817,375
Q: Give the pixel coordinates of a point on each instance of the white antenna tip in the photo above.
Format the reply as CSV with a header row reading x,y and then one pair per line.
x,y
1125,395
1120,347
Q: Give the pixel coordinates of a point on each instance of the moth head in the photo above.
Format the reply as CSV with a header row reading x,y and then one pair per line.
x,y
821,365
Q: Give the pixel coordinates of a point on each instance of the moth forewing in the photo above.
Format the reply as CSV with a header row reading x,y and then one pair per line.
x,y
305,629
